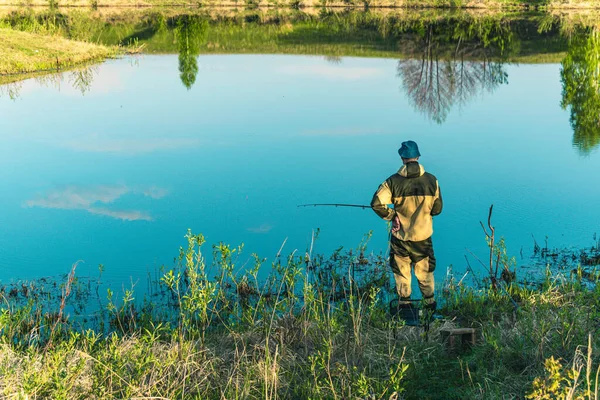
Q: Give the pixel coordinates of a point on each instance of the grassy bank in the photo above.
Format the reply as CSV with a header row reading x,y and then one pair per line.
x,y
400,34
490,4
23,52
317,327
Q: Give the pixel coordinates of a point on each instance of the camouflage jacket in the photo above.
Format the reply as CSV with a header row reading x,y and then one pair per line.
x,y
416,197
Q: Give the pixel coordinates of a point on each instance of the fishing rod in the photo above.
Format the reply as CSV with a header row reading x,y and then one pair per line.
x,y
334,205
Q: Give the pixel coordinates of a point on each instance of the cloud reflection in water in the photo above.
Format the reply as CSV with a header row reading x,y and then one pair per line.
x,y
76,197
264,228
333,71
95,144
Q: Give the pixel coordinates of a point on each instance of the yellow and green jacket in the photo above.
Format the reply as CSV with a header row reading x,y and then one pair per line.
x,y
416,197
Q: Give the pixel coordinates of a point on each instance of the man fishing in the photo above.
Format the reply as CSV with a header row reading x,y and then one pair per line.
x,y
416,197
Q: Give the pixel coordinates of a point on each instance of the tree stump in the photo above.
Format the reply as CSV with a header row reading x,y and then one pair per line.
x,y
457,340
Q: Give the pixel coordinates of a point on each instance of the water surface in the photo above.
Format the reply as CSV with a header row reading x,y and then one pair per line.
x,y
114,163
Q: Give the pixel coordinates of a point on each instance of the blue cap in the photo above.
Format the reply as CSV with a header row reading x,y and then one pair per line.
x,y
409,149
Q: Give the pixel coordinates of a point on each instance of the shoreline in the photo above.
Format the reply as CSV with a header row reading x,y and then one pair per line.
x,y
38,52
23,53
322,336
499,5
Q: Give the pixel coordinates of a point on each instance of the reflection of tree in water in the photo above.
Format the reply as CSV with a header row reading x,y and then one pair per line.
x,y
436,80
80,79
190,33
580,76
11,90
335,60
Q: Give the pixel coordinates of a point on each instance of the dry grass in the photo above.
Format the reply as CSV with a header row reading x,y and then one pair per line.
x,y
22,52
467,4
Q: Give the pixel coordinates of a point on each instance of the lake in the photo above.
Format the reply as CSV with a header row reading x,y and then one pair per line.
x,y
225,124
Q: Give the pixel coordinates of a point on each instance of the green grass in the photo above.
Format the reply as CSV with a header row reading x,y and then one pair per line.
x,y
373,4
316,328
396,34
23,52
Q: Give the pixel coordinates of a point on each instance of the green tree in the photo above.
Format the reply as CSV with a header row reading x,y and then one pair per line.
x,y
580,76
191,32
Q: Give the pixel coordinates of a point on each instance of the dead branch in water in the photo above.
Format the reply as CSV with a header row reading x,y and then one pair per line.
x,y
490,237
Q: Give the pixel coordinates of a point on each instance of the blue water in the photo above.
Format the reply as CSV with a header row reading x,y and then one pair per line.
x,y
117,175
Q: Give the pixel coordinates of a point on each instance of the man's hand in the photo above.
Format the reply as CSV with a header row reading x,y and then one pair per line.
x,y
395,224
